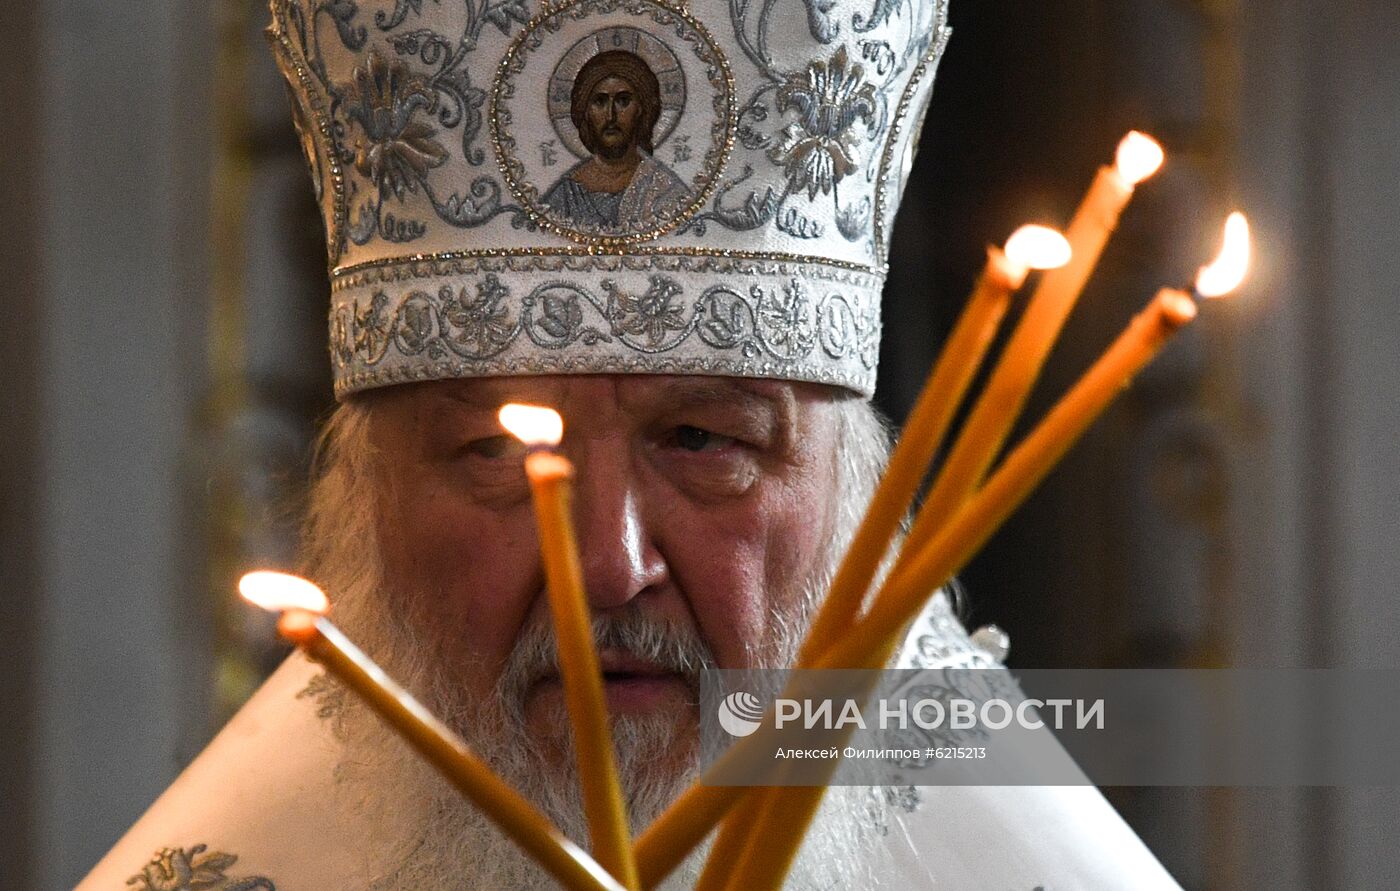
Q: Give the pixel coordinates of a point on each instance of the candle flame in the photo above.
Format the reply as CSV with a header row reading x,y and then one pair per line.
x,y
1228,270
1038,247
277,591
1139,156
533,425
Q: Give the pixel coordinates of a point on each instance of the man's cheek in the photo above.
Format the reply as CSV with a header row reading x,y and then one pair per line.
x,y
474,605
473,638
727,590
795,552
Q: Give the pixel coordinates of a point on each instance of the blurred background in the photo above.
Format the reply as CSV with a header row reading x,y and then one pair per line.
x,y
163,360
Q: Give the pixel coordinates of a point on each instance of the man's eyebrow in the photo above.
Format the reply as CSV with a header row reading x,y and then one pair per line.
x,y
485,396
474,398
774,404
694,392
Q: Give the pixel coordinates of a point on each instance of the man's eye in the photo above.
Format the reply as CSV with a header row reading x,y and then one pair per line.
x,y
695,439
494,447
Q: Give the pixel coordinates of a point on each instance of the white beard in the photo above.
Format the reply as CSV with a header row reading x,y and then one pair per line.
x,y
424,835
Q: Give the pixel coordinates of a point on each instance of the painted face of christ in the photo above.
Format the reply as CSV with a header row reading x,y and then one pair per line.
x,y
615,104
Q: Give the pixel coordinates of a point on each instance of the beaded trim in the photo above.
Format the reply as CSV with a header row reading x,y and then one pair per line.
x,y
636,258
927,68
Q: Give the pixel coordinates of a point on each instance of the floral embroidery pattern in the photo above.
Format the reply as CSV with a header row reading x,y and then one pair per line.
x,y
371,325
194,869
482,321
393,151
652,314
818,150
786,318
777,324
842,117
371,123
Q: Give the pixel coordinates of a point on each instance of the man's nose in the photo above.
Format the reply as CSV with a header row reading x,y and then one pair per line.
x,y
612,111
616,549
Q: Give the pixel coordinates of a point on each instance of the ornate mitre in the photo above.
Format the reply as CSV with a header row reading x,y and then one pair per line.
x,y
650,186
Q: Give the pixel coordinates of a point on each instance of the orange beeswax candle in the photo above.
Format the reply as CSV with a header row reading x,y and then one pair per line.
x,y
550,476
935,561
1035,334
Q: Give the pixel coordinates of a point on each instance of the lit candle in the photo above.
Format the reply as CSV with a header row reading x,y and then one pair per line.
x,y
1005,394
550,474
1228,270
302,623
1030,247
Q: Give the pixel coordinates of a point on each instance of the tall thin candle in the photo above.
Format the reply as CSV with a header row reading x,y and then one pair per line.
x,y
1030,247
933,563
550,476
1035,334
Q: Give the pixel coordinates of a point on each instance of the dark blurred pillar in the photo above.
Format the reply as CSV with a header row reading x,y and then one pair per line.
x,y
1317,514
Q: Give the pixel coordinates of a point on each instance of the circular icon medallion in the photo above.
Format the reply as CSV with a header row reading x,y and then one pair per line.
x,y
613,119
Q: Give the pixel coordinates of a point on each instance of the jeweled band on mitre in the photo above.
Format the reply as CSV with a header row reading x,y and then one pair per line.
x,y
512,187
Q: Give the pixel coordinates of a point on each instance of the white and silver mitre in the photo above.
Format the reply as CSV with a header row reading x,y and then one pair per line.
x,y
599,186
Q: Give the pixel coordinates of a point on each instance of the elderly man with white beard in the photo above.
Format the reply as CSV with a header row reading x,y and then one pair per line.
x,y
712,365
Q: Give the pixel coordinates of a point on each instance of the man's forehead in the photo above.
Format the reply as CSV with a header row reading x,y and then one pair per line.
x,y
633,391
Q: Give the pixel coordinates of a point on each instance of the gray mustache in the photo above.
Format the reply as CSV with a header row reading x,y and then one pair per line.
x,y
669,645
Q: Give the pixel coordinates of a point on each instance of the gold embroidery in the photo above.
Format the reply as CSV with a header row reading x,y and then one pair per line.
x,y
926,66
194,869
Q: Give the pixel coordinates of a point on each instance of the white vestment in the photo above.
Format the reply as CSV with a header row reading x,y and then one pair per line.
x,y
259,792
